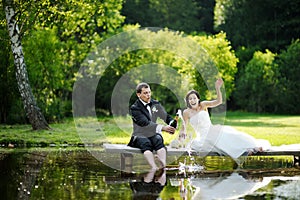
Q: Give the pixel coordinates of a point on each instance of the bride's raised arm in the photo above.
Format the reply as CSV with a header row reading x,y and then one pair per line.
x,y
218,100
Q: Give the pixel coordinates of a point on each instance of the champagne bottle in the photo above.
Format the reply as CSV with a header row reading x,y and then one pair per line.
x,y
175,121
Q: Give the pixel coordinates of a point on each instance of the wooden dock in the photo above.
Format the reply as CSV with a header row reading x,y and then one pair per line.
x,y
126,153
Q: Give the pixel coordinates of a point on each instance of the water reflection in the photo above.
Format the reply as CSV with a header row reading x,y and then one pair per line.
x,y
237,186
150,185
227,187
75,174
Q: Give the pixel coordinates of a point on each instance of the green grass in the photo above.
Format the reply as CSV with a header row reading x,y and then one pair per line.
x,y
22,135
278,129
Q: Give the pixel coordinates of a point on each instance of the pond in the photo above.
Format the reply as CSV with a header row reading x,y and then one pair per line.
x,y
76,174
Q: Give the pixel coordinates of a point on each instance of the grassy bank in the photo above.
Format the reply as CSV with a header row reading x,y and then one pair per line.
x,y
278,129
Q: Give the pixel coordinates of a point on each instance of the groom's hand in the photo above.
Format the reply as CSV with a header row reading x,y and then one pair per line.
x,y
169,129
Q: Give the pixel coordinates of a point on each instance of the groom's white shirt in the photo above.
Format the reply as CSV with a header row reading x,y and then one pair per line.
x,y
159,126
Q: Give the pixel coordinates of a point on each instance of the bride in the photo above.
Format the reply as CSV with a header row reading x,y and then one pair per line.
x,y
222,139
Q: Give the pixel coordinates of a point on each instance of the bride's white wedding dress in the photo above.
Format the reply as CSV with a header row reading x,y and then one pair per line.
x,y
222,139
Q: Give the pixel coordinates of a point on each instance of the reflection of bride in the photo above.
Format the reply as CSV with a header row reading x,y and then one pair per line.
x,y
226,187
222,139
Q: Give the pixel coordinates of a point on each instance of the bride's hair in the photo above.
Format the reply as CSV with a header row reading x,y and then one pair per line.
x,y
187,97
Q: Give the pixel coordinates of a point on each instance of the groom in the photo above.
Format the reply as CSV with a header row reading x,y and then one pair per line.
x,y
146,132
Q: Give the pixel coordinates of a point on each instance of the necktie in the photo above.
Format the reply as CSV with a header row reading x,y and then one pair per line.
x,y
149,109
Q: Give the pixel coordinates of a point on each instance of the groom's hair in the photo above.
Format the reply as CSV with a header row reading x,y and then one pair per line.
x,y
187,97
140,86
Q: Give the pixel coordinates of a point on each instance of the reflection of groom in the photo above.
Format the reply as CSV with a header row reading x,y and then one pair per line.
x,y
146,132
150,185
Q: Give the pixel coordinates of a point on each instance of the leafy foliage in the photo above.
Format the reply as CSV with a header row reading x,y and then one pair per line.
x,y
269,81
59,35
220,51
150,64
46,72
288,75
183,15
9,110
270,24
259,80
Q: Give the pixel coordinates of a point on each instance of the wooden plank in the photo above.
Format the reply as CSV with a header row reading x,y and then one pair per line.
x,y
120,148
126,151
123,148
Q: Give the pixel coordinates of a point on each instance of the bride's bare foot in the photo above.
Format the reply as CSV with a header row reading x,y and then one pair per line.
x,y
260,149
250,152
255,150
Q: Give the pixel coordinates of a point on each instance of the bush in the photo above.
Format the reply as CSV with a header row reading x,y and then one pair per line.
x,y
270,83
46,71
256,84
289,73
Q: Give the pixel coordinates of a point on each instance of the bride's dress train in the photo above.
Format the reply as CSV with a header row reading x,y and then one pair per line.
x,y
222,139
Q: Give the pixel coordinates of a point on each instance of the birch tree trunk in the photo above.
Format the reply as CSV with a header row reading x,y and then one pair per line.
x,y
33,112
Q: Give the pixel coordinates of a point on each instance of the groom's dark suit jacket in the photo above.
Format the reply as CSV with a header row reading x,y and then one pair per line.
x,y
143,123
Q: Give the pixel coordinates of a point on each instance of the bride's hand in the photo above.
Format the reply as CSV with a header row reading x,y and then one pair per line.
x,y
219,83
182,135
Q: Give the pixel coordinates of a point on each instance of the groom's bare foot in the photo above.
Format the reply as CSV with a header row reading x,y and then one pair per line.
x,y
159,173
154,169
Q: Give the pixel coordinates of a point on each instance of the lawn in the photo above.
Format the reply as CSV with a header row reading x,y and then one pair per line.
x,y
278,129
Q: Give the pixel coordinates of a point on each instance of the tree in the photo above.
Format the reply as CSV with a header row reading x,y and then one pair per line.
x,y
7,82
46,72
182,15
56,37
222,54
289,72
256,86
33,112
268,24
168,48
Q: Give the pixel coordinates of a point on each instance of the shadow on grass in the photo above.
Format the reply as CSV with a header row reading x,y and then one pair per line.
x,y
255,123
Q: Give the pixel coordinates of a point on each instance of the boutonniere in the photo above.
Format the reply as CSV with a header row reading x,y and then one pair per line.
x,y
154,109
